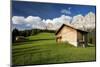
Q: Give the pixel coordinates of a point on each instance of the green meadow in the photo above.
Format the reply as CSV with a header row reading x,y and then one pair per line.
x,y
43,49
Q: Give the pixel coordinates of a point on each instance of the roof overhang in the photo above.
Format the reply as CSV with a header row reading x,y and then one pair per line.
x,y
70,27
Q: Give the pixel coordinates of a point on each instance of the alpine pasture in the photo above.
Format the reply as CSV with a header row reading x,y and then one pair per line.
x,y
43,49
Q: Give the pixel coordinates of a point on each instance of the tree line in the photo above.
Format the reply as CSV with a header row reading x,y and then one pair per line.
x,y
26,33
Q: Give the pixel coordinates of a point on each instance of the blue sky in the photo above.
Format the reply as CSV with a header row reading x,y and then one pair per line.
x,y
49,10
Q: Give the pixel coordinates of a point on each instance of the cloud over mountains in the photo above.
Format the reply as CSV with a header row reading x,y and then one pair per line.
x,y
79,21
29,22
84,22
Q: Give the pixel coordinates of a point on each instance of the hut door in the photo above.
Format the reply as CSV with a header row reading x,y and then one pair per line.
x,y
59,39
82,41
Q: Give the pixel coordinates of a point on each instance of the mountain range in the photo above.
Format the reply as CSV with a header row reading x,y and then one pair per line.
x,y
32,22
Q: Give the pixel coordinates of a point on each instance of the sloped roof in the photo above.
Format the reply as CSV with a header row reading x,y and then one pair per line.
x,y
70,27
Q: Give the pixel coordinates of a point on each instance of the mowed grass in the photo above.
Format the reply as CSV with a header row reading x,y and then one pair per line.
x,y
43,49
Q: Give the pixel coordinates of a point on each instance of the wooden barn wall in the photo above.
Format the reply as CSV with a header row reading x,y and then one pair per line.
x,y
68,35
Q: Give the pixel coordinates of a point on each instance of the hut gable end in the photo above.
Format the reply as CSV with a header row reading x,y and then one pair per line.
x,y
71,35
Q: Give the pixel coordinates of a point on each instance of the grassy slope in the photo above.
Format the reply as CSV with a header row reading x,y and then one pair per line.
x,y
42,48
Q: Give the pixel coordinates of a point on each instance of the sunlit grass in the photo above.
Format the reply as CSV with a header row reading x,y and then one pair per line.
x,y
43,49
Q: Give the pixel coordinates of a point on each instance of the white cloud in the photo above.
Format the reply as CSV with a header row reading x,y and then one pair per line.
x,y
32,19
36,22
63,19
28,22
18,19
57,22
66,11
87,21
79,21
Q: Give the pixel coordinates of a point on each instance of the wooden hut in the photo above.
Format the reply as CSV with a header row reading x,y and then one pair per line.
x,y
70,34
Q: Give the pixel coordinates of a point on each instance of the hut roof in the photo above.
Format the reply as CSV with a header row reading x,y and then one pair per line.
x,y
70,27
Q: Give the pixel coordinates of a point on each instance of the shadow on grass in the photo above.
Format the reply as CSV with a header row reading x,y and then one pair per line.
x,y
30,52
27,41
